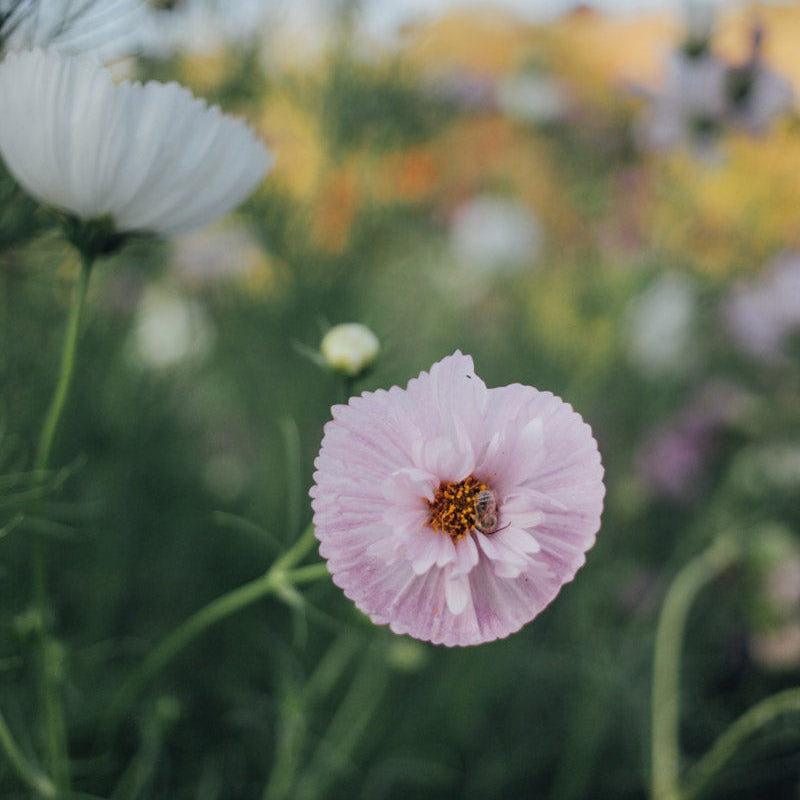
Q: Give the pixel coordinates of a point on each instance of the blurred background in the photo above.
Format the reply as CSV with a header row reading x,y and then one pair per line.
x,y
559,190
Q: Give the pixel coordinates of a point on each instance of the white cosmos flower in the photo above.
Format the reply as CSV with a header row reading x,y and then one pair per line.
x,y
152,157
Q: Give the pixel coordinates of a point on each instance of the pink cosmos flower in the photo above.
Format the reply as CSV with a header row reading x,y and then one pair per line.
x,y
453,512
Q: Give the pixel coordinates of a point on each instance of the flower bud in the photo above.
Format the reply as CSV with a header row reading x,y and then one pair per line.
x,y
350,348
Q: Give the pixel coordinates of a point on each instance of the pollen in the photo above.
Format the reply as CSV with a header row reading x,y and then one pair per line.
x,y
452,510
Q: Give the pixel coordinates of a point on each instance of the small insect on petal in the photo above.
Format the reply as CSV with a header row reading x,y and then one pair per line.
x,y
486,512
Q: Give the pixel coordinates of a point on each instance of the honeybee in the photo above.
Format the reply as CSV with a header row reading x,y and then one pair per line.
x,y
485,509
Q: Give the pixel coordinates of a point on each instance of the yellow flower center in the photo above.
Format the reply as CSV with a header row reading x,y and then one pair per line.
x,y
453,507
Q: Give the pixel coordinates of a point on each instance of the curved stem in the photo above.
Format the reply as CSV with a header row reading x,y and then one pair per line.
x,y
729,742
279,576
49,669
39,784
665,740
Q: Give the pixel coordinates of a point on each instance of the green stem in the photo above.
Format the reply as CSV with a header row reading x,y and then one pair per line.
x,y
666,668
332,755
290,735
279,576
67,367
307,574
39,784
294,709
729,742
49,670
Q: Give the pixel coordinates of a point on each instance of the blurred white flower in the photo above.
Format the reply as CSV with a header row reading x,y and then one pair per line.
x,y
660,327
703,93
349,348
152,158
691,106
169,329
691,103
761,316
490,234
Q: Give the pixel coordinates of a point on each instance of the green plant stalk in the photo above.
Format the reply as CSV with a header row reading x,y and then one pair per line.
x,y
139,773
346,728
279,576
728,743
665,735
39,784
294,473
307,574
49,674
291,736
293,729
588,722
67,367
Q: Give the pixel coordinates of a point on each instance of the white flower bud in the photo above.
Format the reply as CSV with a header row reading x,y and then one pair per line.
x,y
349,348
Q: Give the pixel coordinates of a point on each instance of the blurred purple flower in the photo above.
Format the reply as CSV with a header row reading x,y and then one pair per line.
x,y
452,512
673,461
463,90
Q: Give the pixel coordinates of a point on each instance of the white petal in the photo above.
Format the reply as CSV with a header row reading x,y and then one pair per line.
x,y
457,593
409,486
450,460
466,555
519,540
430,547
